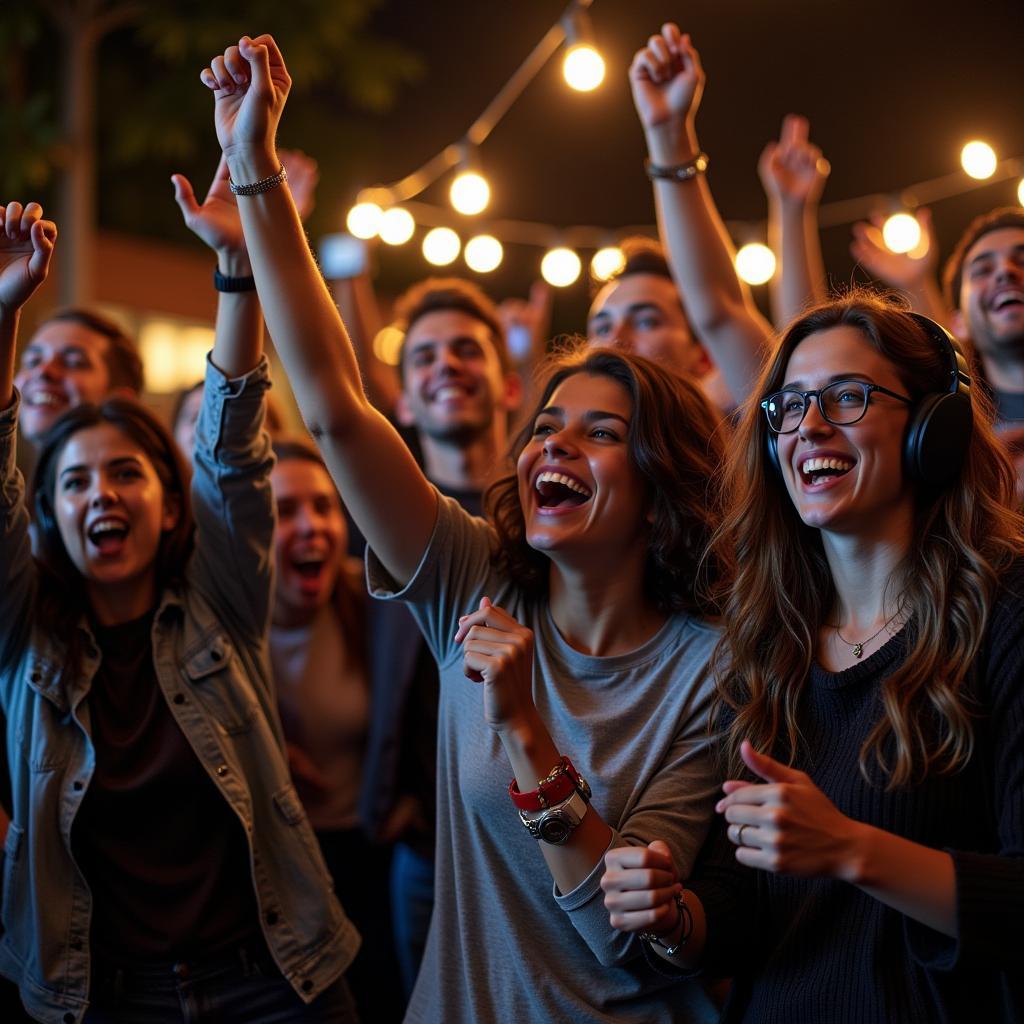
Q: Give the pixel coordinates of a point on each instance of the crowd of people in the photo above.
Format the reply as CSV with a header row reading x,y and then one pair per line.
x,y
692,686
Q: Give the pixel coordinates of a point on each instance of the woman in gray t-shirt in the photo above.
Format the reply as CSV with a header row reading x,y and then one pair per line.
x,y
576,614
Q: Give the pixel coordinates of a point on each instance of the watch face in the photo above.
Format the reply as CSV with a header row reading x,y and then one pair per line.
x,y
555,829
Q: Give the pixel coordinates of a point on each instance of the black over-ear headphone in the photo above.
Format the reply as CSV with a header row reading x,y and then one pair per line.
x,y
939,432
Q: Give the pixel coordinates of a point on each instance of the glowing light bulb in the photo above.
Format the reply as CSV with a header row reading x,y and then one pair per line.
x,y
978,159
387,344
607,262
484,253
470,193
397,226
441,246
560,267
364,220
1020,192
901,233
583,68
755,263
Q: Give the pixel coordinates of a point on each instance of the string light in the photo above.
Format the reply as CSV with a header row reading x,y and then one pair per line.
x,y
387,344
484,254
583,68
607,262
901,233
1020,192
560,267
978,159
755,263
470,193
441,246
396,226
364,220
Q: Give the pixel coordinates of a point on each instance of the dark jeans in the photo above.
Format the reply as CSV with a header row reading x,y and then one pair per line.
x,y
239,988
412,902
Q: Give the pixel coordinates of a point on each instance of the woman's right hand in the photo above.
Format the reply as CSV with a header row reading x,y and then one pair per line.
x,y
250,85
640,884
26,246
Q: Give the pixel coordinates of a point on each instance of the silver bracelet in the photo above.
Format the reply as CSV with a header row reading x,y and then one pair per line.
x,y
678,172
685,918
263,185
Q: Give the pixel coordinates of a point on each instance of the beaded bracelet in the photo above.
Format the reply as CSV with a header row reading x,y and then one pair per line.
x,y
685,917
263,185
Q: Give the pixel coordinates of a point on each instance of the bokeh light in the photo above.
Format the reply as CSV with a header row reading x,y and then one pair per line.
x,y
607,262
484,254
583,68
901,233
441,246
978,159
364,220
755,263
396,226
560,267
470,193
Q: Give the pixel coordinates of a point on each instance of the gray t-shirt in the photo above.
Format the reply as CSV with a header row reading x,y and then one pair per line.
x,y
503,944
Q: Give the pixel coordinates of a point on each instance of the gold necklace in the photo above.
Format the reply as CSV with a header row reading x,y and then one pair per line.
x,y
858,649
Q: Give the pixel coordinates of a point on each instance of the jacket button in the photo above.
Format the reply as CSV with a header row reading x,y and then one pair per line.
x,y
222,770
77,785
307,985
271,917
179,698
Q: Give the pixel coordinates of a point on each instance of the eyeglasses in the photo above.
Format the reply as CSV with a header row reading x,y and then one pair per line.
x,y
841,403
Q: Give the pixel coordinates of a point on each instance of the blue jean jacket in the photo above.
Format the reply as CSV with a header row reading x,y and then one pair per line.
x,y
210,655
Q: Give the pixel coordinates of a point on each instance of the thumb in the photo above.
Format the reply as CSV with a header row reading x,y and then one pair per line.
x,y
485,602
184,196
43,234
766,767
258,57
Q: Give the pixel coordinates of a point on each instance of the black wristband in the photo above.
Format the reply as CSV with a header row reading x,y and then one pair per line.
x,y
223,283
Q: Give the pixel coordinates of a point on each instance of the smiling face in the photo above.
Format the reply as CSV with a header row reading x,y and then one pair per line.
x,y
992,294
309,541
579,490
453,385
112,511
847,479
641,313
64,365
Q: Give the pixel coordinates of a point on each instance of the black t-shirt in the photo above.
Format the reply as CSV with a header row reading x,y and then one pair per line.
x,y
164,854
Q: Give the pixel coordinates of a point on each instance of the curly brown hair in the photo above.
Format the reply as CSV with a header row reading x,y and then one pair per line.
x,y
966,536
676,442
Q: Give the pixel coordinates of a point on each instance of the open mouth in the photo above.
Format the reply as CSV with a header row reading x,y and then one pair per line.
x,y
818,470
1009,299
309,567
556,490
46,400
108,535
451,393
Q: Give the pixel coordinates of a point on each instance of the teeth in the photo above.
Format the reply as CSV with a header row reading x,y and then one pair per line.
x,y
561,478
45,398
449,391
107,526
1005,297
814,465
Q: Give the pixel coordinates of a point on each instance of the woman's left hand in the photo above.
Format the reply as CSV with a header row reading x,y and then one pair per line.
x,y
498,652
787,825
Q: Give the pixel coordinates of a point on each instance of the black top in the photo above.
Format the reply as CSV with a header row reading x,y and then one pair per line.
x,y
806,951
164,855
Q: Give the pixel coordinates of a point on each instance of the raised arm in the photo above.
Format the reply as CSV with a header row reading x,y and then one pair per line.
x,y
26,246
389,498
793,173
667,81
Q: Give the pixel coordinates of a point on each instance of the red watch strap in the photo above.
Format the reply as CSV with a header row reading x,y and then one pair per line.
x,y
550,791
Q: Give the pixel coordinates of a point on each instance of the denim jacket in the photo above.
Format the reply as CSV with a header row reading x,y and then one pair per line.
x,y
210,656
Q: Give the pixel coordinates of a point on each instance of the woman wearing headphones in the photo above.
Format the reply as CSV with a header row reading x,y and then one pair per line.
x,y
873,699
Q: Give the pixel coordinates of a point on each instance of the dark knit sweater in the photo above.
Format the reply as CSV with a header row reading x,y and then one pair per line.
x,y
817,951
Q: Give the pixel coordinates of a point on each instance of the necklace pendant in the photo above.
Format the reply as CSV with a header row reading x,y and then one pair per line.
x,y
858,650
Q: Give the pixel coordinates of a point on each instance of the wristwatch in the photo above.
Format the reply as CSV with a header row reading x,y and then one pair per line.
x,y
555,824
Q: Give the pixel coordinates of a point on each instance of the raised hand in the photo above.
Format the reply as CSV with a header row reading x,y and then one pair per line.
x,y
640,885
787,825
793,170
667,80
250,85
217,221
26,247
498,652
896,269
527,323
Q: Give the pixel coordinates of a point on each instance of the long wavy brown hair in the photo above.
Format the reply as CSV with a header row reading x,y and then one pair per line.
x,y
966,535
677,444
